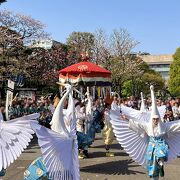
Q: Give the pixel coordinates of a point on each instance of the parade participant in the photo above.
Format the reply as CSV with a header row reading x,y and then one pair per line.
x,y
2,112
107,131
84,141
150,143
176,111
95,125
58,145
80,116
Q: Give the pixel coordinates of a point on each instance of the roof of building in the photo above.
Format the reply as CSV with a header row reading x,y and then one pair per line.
x,y
158,59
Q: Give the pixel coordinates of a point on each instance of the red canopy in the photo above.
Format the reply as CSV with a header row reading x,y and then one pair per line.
x,y
85,73
85,67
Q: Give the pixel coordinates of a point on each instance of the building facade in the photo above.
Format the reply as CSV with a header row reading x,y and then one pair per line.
x,y
46,43
159,63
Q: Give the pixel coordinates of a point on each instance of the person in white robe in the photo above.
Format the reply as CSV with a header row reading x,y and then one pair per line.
x,y
149,142
2,111
84,140
80,116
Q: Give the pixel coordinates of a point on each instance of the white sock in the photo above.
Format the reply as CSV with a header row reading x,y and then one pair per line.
x,y
161,163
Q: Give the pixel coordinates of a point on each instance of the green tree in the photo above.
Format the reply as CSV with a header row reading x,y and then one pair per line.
x,y
174,80
142,83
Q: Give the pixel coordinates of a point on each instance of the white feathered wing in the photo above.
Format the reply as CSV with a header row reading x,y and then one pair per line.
x,y
59,145
135,114
75,160
141,115
15,136
133,143
172,139
56,150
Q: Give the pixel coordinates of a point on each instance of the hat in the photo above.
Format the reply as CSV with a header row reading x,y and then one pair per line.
x,y
155,116
154,110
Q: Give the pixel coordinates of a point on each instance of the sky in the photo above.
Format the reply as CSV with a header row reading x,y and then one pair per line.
x,y
155,24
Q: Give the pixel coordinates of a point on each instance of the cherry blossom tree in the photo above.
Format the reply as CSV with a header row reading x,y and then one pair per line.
x,y
17,31
101,49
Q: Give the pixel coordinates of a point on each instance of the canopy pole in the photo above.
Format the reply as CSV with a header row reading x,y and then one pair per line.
x,y
103,92
81,90
94,91
110,92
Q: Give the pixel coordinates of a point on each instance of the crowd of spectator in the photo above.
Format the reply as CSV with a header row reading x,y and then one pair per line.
x,y
25,106
172,106
44,106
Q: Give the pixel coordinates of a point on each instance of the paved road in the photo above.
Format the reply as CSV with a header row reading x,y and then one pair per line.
x,y
97,167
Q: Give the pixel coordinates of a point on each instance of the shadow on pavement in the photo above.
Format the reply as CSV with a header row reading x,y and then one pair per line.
x,y
103,154
113,168
113,146
28,152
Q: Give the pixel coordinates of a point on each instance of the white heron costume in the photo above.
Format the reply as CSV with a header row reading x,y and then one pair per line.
x,y
139,135
15,136
59,146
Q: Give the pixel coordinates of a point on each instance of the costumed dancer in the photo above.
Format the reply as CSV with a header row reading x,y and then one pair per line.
x,y
95,126
84,140
59,146
107,131
80,116
2,112
148,140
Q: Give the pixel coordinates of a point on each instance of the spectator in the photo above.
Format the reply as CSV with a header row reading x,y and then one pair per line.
x,y
176,112
2,112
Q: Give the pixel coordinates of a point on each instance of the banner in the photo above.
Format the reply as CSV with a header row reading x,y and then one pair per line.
x,y
9,97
